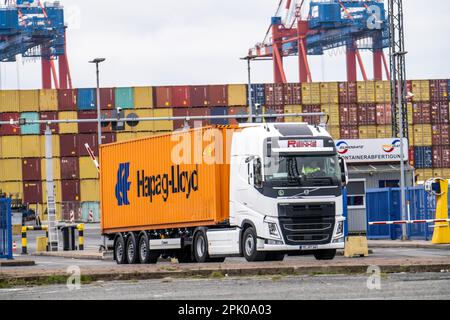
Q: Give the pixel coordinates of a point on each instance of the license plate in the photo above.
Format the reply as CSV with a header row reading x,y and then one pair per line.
x,y
309,247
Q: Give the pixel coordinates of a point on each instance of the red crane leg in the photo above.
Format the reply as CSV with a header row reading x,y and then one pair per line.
x,y
278,70
361,65
377,65
304,73
54,74
46,73
386,67
63,77
351,65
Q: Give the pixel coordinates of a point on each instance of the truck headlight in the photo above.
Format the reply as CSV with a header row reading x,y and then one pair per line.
x,y
273,230
340,229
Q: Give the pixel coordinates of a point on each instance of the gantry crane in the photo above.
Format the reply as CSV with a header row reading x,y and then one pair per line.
x,y
302,28
35,30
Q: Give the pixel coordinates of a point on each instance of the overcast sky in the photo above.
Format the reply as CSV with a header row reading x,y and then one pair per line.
x,y
156,42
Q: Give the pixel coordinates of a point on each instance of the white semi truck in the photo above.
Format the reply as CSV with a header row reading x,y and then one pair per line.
x,y
283,195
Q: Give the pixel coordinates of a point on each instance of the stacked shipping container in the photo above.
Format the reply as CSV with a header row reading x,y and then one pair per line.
x,y
355,110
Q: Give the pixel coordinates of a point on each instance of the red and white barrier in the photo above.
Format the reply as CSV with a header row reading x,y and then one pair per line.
x,y
383,223
72,216
91,216
14,247
91,153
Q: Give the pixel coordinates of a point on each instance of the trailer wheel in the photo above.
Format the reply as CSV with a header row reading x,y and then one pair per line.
x,y
325,254
146,256
119,250
131,249
185,255
249,246
200,247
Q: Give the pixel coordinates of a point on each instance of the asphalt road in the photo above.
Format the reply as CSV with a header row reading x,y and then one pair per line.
x,y
394,286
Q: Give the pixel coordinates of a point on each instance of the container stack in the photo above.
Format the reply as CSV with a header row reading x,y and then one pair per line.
x,y
357,110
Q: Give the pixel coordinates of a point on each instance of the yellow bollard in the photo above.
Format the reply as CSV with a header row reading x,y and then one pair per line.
x,y
80,228
441,234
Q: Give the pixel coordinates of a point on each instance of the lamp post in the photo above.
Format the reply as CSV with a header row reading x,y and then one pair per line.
x,y
250,100
97,61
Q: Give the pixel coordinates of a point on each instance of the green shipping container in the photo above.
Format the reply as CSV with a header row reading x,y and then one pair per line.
x,y
125,98
28,129
90,212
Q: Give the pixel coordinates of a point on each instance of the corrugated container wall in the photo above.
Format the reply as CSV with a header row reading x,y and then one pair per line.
x,y
28,100
311,93
124,98
9,130
163,97
258,94
48,100
439,90
292,93
68,127
28,129
67,99
199,96
107,98
47,116
329,93
70,168
10,170
31,169
86,99
9,101
237,95
143,97
219,111
218,96
274,94
181,96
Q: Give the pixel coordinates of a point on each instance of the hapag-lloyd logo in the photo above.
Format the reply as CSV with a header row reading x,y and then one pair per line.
x,y
123,185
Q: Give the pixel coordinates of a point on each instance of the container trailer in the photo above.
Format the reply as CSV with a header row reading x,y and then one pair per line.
x,y
260,191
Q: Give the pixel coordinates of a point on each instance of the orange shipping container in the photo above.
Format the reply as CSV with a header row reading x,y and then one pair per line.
x,y
165,193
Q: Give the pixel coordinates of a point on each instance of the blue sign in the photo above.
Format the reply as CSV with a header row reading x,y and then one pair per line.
x,y
123,186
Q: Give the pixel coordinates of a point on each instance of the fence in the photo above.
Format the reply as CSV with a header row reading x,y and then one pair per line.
x,y
384,205
6,250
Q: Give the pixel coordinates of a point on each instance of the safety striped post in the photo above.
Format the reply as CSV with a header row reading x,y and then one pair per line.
x,y
399,222
24,240
80,229
92,155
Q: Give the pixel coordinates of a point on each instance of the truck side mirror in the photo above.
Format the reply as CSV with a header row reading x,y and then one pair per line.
x,y
344,172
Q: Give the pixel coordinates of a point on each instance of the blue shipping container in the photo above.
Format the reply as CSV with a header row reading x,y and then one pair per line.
x,y
219,111
259,94
87,99
6,239
9,19
124,98
423,157
28,129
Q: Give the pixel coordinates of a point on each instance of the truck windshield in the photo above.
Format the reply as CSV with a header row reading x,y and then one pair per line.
x,y
303,170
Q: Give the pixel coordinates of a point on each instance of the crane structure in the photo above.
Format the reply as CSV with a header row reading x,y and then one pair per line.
x,y
303,28
35,30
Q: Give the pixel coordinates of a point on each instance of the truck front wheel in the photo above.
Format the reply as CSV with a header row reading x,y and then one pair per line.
x,y
201,247
131,249
325,254
249,246
119,250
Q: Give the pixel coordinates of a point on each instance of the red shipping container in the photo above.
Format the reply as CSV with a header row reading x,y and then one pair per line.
x,y
421,113
348,92
92,140
70,190
107,98
274,94
439,112
199,96
179,112
107,114
411,156
292,94
67,99
70,168
87,127
7,129
277,110
384,114
68,144
49,115
163,97
31,169
441,156
439,90
367,114
349,132
441,134
237,111
312,109
109,137
32,192
218,96
348,114
71,208
198,112
181,96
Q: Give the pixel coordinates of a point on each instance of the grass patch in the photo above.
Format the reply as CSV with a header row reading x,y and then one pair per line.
x,y
44,281
217,275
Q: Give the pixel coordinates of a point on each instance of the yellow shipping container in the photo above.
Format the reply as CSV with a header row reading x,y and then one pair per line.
x,y
87,168
237,95
90,191
68,127
384,132
125,136
9,101
163,125
311,93
10,147
335,132
48,100
56,169
411,135
382,91
410,114
143,126
55,146
366,92
421,90
438,173
29,100
143,97
58,194
332,110
423,135
10,170
446,173
293,109
31,147
329,93
368,132
14,189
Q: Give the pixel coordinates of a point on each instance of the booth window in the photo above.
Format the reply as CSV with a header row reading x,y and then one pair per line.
x,y
356,193
389,184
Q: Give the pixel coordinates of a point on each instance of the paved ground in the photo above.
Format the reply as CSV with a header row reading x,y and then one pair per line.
x,y
394,286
